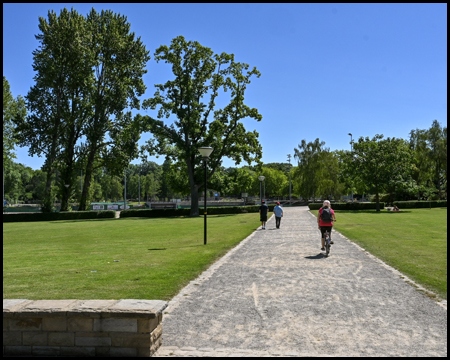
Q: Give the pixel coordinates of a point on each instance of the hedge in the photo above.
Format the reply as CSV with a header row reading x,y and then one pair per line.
x,y
420,204
348,206
187,211
65,215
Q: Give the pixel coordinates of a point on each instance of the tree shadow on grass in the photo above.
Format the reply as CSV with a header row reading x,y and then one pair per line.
x,y
75,220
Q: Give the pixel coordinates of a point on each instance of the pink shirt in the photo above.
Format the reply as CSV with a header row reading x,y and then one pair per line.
x,y
321,223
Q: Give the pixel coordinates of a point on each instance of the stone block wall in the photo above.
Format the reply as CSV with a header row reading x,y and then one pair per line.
x,y
112,328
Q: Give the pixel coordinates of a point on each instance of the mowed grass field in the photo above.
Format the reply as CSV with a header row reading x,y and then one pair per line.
x,y
158,257
413,241
75,259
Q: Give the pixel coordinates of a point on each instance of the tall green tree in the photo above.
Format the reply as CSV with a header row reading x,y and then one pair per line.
x,y
429,147
12,108
89,73
274,183
238,181
437,142
57,102
200,74
381,162
328,176
119,65
306,175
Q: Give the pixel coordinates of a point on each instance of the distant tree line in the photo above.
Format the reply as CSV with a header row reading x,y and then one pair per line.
x,y
392,169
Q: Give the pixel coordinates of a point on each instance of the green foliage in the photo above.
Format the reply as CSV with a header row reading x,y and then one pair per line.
x,y
348,206
52,216
236,181
89,71
275,182
200,73
381,164
430,159
307,175
186,212
420,204
12,108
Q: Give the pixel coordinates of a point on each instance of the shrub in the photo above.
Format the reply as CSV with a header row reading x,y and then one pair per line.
x,y
348,206
420,204
63,215
186,212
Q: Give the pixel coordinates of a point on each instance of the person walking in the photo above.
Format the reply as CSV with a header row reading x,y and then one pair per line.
x,y
325,221
263,209
278,211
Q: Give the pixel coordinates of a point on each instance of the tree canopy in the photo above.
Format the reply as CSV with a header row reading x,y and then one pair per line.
x,y
201,74
89,72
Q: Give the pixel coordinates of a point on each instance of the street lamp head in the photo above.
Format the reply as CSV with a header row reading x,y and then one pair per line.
x,y
350,134
261,178
205,151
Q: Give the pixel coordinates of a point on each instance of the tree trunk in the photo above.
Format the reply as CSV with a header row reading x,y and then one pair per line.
x,y
377,199
47,203
194,202
194,187
87,180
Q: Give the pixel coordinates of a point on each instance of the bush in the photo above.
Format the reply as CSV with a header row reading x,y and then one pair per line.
x,y
420,204
348,206
64,215
186,212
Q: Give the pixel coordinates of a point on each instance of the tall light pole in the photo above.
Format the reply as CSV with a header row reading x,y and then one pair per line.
x,y
289,159
261,179
125,191
205,152
139,184
351,144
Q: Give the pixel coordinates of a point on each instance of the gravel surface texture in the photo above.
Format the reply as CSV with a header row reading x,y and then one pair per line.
x,y
276,294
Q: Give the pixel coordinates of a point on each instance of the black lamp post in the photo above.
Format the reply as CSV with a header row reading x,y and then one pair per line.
x,y
261,179
351,144
205,152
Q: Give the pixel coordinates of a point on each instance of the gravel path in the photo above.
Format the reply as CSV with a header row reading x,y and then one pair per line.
x,y
275,294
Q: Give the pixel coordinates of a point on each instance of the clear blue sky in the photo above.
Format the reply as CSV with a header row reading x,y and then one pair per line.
x,y
326,69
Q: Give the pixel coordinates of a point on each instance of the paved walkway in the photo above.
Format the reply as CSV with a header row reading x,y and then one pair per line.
x,y
275,294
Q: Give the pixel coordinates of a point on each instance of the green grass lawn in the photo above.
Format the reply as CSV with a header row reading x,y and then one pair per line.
x,y
157,257
414,241
75,259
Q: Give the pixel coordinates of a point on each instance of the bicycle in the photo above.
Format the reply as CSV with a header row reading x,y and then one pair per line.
x,y
327,239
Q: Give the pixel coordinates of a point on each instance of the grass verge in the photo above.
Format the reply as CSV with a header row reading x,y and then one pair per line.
x,y
155,258
413,241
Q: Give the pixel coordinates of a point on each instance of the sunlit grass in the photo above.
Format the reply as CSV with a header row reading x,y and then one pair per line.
x,y
75,259
414,241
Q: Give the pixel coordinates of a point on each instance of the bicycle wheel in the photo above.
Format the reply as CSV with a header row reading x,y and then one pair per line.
x,y
327,244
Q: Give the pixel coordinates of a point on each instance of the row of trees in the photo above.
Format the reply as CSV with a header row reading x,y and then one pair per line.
x,y
396,168
147,181
402,169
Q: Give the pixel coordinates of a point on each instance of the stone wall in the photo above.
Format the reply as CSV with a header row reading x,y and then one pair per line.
x,y
125,327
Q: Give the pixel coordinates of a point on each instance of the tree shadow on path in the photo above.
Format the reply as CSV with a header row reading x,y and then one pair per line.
x,y
315,257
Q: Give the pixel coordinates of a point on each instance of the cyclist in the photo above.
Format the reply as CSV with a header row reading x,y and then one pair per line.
x,y
325,222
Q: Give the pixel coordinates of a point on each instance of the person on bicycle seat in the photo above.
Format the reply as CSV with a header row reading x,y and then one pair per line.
x,y
325,221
